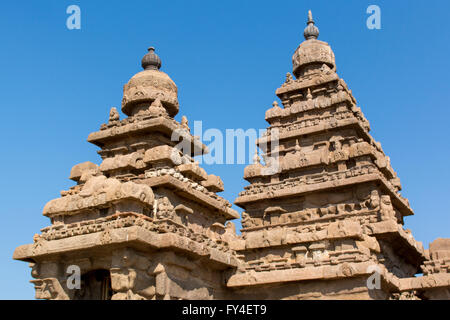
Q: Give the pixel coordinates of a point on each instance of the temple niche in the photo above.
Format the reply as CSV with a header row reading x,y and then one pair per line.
x,y
323,214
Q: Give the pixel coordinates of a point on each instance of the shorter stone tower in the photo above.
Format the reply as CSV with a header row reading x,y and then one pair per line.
x,y
147,222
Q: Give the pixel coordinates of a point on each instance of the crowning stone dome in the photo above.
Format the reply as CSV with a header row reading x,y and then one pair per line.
x,y
311,31
148,85
312,51
151,60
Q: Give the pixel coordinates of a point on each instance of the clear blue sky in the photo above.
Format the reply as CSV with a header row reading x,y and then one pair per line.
x,y
227,58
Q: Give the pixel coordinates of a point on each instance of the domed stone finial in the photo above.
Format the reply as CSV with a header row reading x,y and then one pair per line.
x,y
312,54
311,31
151,61
151,86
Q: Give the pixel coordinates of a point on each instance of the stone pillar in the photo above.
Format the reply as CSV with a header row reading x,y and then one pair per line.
x,y
129,277
47,281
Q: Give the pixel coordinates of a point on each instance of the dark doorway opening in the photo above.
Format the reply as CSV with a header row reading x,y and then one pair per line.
x,y
95,285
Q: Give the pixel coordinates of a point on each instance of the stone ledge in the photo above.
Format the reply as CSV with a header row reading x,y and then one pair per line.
x,y
160,124
304,274
130,236
391,227
285,237
167,180
433,281
396,200
316,128
302,84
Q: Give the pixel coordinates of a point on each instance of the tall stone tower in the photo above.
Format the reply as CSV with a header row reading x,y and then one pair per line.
x,y
332,214
147,222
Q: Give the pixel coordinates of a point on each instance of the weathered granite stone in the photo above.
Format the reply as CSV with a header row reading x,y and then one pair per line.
x,y
147,223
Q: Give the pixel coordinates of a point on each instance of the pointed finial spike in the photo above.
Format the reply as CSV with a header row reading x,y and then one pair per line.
x,y
311,31
310,17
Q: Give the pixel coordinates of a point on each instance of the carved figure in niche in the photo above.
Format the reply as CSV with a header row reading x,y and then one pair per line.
x,y
374,199
294,159
113,115
156,109
386,210
230,232
124,275
338,154
247,221
122,282
165,208
300,154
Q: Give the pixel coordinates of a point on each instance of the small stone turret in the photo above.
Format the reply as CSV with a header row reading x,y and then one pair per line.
x,y
312,54
149,85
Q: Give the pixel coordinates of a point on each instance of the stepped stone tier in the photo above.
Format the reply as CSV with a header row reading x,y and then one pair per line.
x,y
326,223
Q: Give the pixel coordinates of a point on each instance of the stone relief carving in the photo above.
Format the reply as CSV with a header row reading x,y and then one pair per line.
x,y
49,288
